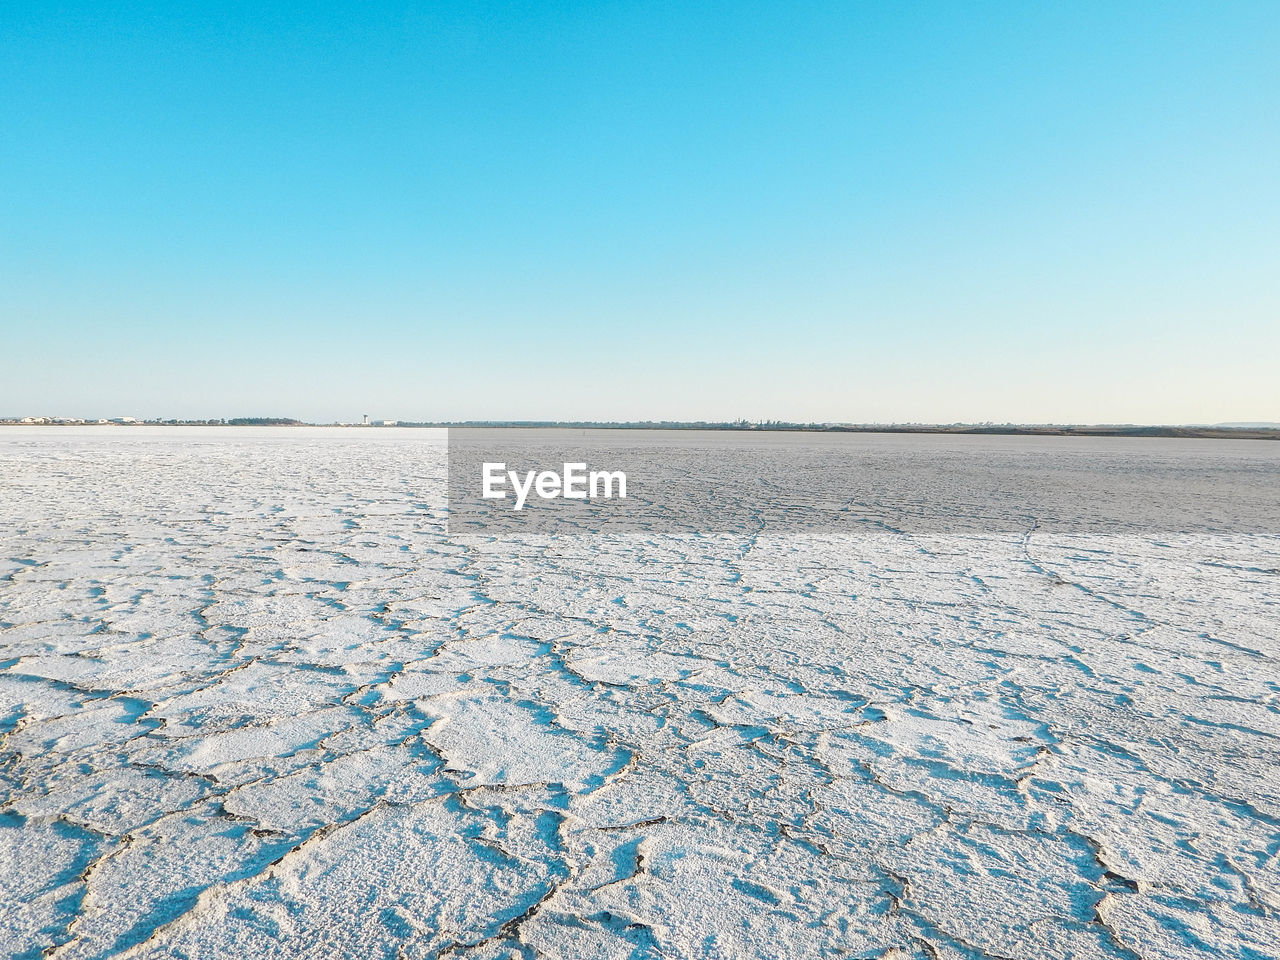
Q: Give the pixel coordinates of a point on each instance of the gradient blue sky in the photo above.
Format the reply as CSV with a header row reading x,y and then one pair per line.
x,y
816,211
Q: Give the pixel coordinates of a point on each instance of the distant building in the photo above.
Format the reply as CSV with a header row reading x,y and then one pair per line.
x,y
385,423
365,420
124,420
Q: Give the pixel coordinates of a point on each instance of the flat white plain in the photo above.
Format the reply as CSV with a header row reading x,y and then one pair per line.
x,y
255,702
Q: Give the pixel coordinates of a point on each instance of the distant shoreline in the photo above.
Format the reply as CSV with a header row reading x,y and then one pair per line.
x,y
1214,432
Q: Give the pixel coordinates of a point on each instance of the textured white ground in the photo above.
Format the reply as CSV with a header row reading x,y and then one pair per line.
x,y
255,703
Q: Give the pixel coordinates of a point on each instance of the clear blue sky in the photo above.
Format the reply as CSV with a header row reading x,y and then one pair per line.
x,y
819,211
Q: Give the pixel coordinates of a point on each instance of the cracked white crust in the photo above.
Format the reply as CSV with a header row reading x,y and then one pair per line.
x,y
255,703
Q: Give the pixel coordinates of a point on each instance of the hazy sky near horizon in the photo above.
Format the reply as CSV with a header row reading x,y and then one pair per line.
x,y
808,211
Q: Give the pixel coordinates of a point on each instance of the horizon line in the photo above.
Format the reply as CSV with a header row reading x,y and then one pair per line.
x,y
1226,430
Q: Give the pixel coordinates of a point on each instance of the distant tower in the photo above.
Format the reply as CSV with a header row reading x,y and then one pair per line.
x,y
365,421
